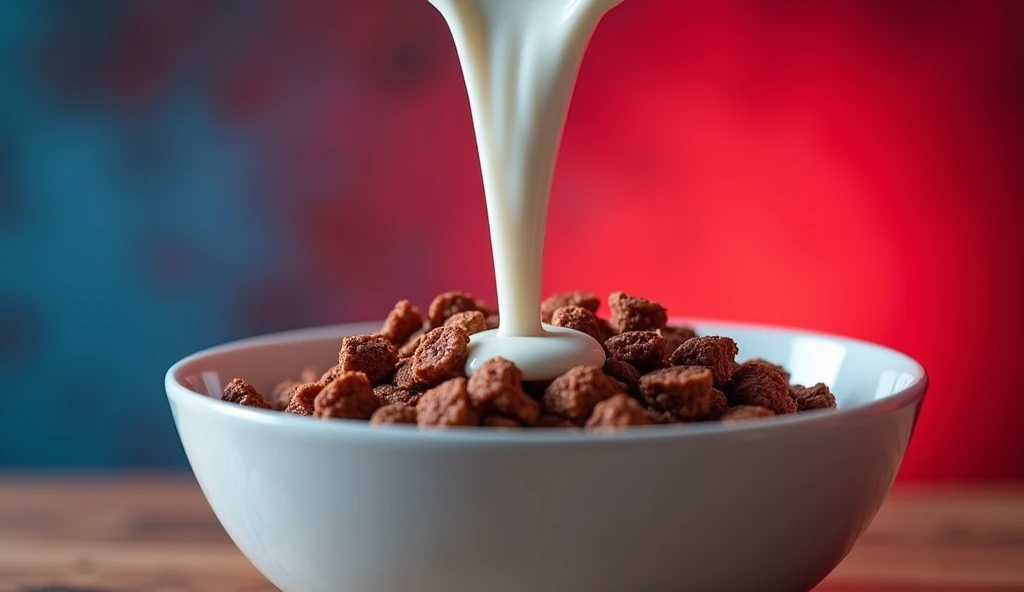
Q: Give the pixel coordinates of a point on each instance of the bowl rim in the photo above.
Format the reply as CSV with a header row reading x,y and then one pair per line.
x,y
180,395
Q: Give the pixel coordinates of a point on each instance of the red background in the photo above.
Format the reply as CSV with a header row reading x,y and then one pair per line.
x,y
850,167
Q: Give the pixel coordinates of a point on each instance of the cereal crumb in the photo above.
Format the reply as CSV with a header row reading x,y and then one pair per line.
x,y
644,350
472,321
441,355
389,393
760,385
675,336
717,408
625,373
497,386
500,421
586,300
449,303
447,405
577,318
300,400
684,391
815,397
401,323
717,353
630,313
619,411
574,394
393,413
348,396
242,393
372,355
745,413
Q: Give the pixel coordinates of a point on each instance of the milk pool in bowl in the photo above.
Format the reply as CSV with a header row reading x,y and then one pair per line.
x,y
338,505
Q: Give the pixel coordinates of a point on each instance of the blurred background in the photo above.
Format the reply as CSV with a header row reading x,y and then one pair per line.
x,y
176,174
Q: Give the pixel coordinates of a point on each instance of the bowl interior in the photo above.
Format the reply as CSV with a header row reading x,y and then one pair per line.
x,y
859,373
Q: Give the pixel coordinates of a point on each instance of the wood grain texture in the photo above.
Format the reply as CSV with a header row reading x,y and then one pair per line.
x,y
155,533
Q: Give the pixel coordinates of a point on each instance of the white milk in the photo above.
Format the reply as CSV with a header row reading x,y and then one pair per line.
x,y
520,59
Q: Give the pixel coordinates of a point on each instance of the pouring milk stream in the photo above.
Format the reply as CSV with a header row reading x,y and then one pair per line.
x,y
520,59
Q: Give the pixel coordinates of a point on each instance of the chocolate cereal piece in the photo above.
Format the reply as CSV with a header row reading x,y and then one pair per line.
x,y
619,411
760,385
250,401
348,396
372,355
630,313
472,321
393,413
500,421
242,393
742,413
815,397
717,408
331,373
405,377
389,393
619,385
577,318
447,405
493,320
584,300
782,370
675,336
441,355
605,330
574,394
300,400
644,350
717,353
497,386
625,373
445,305
409,347
684,391
401,323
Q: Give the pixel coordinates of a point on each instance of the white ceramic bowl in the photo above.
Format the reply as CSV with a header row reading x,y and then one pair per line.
x,y
329,506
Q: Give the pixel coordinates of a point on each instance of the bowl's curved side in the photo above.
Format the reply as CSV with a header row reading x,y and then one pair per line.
x,y
321,511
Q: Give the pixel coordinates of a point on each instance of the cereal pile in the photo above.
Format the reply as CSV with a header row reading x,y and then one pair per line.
x,y
412,371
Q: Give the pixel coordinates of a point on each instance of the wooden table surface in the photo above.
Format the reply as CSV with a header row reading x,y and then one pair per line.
x,y
156,533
